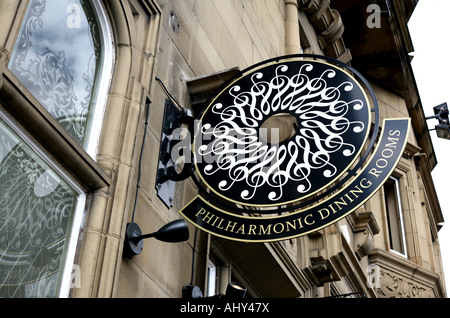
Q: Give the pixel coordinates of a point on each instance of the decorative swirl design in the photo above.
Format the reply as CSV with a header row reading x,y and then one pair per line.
x,y
333,118
58,64
36,208
53,74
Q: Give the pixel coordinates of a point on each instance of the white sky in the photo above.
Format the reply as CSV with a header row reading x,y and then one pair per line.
x,y
429,28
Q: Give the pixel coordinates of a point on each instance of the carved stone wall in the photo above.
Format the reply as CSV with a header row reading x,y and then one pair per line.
x,y
393,285
394,276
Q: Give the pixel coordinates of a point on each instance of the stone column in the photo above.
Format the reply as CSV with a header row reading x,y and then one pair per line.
x,y
292,30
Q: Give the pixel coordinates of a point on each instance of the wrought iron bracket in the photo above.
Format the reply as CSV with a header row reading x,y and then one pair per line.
x,y
171,143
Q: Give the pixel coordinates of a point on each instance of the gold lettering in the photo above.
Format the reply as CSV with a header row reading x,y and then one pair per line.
x,y
214,223
381,163
306,220
332,208
375,172
345,199
275,228
230,226
347,195
393,143
339,203
357,190
260,229
202,211
207,218
389,153
241,229
220,223
266,231
300,223
394,133
367,185
290,225
321,214
386,153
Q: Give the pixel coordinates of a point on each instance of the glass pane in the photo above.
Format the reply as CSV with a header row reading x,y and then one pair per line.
x,y
56,58
394,216
36,210
211,279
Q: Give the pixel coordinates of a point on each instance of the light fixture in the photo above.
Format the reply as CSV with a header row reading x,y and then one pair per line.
x,y
234,291
173,232
442,131
191,292
441,114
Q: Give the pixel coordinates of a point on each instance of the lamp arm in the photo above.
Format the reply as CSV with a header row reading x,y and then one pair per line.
x,y
141,237
173,232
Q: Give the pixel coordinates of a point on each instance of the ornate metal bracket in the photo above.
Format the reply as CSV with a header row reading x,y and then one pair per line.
x,y
168,173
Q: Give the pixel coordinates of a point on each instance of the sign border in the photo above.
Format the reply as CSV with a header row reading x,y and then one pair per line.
x,y
389,125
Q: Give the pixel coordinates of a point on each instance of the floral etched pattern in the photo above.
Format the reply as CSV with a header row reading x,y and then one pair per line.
x,y
36,207
56,58
56,61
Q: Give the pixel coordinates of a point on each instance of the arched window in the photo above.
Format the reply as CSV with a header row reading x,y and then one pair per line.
x,y
62,57
61,64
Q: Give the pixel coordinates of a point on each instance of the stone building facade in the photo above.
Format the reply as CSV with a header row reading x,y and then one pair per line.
x,y
83,88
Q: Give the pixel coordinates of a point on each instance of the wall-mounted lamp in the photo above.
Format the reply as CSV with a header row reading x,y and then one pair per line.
x,y
441,114
234,291
173,232
191,292
442,131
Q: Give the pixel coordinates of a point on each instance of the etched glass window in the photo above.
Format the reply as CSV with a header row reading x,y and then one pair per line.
x,y
395,216
58,57
212,278
63,56
36,214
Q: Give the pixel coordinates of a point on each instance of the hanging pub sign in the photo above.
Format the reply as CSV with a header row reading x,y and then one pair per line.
x,y
290,146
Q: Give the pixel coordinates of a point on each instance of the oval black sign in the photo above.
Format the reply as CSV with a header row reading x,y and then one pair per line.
x,y
282,132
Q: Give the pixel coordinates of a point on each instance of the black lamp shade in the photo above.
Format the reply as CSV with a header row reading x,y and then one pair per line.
x,y
173,232
191,292
235,290
443,131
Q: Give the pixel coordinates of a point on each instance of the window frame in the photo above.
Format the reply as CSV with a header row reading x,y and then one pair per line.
x,y
398,214
33,123
20,104
64,284
102,87
212,278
